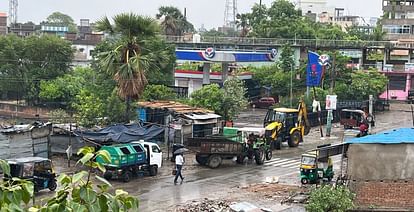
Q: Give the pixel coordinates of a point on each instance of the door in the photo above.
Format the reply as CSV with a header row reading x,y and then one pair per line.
x,y
156,156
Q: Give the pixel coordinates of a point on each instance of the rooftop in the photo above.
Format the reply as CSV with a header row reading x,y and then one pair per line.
x,y
396,136
3,14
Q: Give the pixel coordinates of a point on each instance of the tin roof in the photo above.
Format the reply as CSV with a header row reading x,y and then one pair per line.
x,y
396,136
173,106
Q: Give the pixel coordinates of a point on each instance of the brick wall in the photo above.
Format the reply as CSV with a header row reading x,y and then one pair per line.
x,y
384,194
23,111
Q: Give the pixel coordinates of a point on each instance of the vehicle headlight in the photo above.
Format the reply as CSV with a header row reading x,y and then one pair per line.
x,y
311,171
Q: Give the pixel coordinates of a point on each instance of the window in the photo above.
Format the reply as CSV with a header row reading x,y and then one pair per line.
x,y
397,83
125,150
396,29
138,148
155,149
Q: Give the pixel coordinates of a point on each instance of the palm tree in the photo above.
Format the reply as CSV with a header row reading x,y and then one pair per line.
x,y
243,23
128,61
174,23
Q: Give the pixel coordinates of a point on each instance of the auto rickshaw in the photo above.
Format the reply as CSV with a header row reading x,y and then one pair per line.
x,y
312,169
35,169
354,118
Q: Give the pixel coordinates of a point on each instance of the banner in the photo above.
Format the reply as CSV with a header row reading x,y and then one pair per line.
x,y
314,70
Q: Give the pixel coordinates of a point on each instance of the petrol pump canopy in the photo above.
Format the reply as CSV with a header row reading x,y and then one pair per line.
x,y
396,136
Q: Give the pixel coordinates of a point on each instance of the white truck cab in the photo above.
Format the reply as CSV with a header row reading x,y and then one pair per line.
x,y
154,154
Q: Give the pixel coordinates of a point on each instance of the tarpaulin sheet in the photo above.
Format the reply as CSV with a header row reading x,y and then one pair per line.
x,y
397,136
122,133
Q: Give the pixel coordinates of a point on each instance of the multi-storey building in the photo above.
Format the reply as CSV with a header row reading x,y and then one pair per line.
x,y
398,20
3,23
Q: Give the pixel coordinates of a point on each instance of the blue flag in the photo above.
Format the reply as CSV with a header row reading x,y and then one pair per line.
x,y
314,71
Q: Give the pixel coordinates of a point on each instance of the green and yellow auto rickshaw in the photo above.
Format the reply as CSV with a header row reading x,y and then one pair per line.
x,y
312,169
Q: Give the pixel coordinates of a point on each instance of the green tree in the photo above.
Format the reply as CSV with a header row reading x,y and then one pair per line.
x,y
60,19
234,100
228,102
213,33
89,108
28,61
174,22
328,198
128,61
158,92
243,23
209,97
287,61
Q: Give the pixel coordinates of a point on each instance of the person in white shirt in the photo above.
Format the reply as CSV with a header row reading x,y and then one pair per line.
x,y
179,162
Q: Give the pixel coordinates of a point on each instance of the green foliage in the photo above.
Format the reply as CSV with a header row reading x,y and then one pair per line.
x,y
60,19
26,62
228,102
77,193
367,83
209,97
287,58
234,100
15,194
114,109
158,92
59,116
174,22
213,33
89,107
273,76
328,198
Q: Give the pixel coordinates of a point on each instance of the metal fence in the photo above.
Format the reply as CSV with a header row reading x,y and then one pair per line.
x,y
295,42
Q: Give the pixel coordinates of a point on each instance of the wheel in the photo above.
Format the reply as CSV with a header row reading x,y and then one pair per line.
x,y
269,154
52,185
214,161
126,177
295,139
108,175
277,144
202,160
153,170
304,181
259,156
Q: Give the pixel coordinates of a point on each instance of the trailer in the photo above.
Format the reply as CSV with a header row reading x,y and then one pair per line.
x,y
233,144
132,159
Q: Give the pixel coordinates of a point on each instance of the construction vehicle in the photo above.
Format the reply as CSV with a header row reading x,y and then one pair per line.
x,y
234,143
286,125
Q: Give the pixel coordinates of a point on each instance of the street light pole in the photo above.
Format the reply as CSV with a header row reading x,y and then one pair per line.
x,y
291,85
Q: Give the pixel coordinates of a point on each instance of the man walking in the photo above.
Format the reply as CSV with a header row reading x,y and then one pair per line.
x,y
179,161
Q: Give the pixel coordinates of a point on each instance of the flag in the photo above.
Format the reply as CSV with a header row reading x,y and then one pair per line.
x,y
314,71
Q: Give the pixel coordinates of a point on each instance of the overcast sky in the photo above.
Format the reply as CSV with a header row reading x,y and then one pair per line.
x,y
207,12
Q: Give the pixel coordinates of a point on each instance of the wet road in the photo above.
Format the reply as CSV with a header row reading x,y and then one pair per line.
x,y
160,194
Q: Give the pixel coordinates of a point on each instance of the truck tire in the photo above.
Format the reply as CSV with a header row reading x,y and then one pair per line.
x,y
126,177
202,160
108,175
269,154
259,156
153,170
295,139
214,161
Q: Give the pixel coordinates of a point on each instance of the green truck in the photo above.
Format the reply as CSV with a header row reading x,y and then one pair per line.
x,y
234,143
132,159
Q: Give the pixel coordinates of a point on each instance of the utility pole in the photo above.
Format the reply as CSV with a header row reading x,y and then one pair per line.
x,y
291,85
330,114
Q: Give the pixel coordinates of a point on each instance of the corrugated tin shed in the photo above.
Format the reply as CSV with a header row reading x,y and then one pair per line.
x,y
396,136
173,106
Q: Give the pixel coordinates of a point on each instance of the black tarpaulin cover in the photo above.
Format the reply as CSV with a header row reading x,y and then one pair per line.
x,y
122,133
